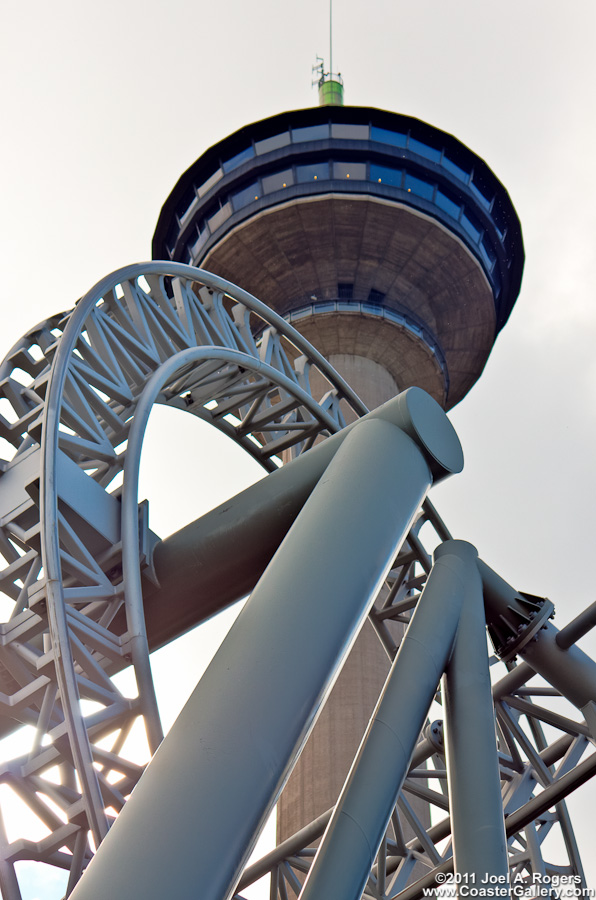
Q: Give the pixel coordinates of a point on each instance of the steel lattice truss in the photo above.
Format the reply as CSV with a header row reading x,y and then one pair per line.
x,y
76,392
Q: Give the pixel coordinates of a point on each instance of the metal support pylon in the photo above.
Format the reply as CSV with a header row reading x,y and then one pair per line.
x,y
205,763
71,391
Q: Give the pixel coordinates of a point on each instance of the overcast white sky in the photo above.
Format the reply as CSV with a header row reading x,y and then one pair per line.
x,y
104,105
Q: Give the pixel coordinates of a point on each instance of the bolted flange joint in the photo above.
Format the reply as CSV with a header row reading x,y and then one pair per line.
x,y
513,618
434,733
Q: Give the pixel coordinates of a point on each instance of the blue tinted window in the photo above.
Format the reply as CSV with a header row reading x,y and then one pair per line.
x,y
247,195
387,137
488,261
314,172
448,205
384,175
471,226
219,217
349,170
237,160
499,219
455,170
488,250
172,237
200,241
313,133
278,181
272,143
419,187
424,150
211,181
187,204
349,132
484,200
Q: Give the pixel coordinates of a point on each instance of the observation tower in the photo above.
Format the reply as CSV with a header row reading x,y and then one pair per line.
x,y
394,250
397,253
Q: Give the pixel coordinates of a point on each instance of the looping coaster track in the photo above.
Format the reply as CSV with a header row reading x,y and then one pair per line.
x,y
75,397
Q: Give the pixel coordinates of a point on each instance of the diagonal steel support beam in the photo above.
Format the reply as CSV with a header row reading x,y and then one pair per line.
x,y
568,669
353,837
213,781
315,829
195,578
479,845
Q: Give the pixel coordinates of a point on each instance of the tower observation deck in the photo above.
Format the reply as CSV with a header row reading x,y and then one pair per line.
x,y
376,235
397,253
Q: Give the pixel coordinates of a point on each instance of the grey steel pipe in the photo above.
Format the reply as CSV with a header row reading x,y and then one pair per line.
x,y
356,829
219,771
9,886
192,566
578,627
313,831
529,812
570,671
479,845
195,578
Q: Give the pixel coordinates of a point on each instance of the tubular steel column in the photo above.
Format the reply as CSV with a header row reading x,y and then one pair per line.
x,y
477,824
568,669
195,562
195,815
355,832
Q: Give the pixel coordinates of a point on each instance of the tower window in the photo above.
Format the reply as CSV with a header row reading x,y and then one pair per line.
x,y
450,206
278,181
310,133
349,132
455,169
375,296
246,196
345,291
355,171
315,172
384,175
388,137
425,150
237,160
419,187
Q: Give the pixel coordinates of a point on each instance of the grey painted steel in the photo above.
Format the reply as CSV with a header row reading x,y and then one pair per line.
x,y
570,671
195,562
477,823
131,332
516,821
176,365
69,390
262,686
363,811
581,625
315,829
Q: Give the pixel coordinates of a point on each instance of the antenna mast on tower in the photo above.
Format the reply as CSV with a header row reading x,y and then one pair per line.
x,y
331,86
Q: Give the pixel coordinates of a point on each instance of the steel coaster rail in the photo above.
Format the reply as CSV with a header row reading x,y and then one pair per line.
x,y
200,765
69,395
71,386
